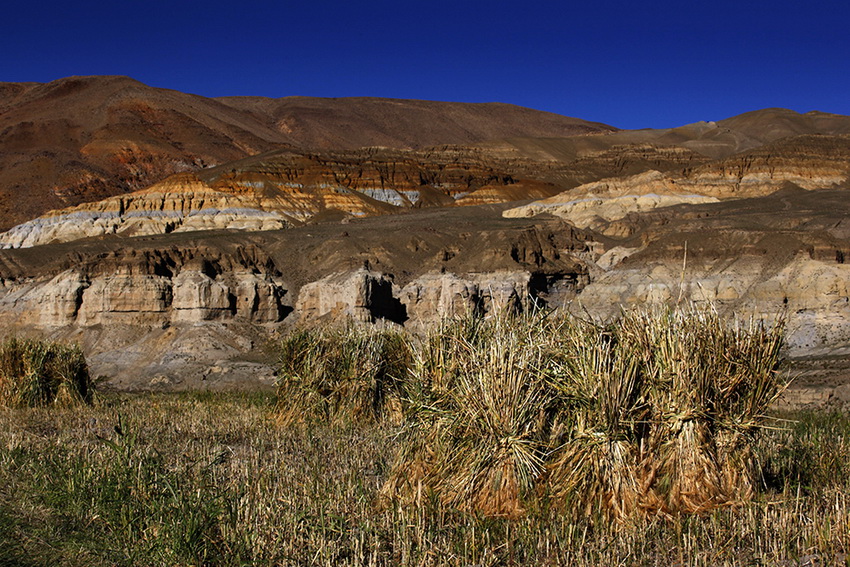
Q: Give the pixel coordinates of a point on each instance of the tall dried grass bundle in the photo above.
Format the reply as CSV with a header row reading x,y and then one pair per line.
x,y
439,360
343,375
595,460
36,373
480,418
444,352
686,392
652,414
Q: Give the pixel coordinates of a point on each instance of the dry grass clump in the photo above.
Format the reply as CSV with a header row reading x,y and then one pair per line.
x,y
342,375
478,433
36,373
652,414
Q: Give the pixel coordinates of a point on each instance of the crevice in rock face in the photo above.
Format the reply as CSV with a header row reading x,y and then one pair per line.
x,y
255,303
383,305
538,289
209,269
480,304
78,300
552,291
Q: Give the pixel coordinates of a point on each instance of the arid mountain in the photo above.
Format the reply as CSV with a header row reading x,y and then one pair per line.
x,y
284,188
86,138
348,123
82,139
710,139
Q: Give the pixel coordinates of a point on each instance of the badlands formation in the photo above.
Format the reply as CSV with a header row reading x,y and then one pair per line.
x,y
229,221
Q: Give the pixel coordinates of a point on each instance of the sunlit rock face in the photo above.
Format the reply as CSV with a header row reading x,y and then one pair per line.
x,y
149,289
363,296
595,205
285,189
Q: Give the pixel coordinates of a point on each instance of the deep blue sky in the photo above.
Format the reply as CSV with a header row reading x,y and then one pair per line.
x,y
630,64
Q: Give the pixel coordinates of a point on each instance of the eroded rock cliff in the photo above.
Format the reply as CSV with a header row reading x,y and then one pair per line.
x,y
162,313
808,162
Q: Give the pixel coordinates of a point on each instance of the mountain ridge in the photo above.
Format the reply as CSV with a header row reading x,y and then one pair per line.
x,y
85,138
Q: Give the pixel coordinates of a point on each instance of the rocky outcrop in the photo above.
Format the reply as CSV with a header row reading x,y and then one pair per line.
x,y
186,310
363,296
153,289
806,162
812,296
125,298
285,188
596,205
440,295
72,298
809,162
368,296
783,254
436,296
519,191
182,203
175,306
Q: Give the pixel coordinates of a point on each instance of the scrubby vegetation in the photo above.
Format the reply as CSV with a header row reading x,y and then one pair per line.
x,y
37,373
653,414
343,375
536,441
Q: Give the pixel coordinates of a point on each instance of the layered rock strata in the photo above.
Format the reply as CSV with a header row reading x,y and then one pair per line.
x,y
368,296
168,291
284,189
167,311
82,139
281,189
174,306
808,162
596,205
778,255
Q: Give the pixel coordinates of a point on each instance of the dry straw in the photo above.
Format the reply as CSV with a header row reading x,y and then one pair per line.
x,y
342,375
653,414
35,373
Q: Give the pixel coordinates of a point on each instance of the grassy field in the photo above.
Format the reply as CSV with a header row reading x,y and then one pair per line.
x,y
213,480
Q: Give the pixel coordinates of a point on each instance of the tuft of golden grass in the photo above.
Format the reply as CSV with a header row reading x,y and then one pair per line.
x,y
37,373
654,414
342,375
